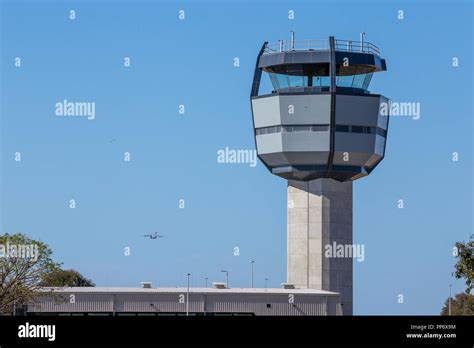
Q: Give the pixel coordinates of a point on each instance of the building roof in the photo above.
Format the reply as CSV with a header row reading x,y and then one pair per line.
x,y
269,291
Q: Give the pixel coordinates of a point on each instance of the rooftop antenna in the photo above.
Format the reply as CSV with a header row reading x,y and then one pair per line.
x,y
362,41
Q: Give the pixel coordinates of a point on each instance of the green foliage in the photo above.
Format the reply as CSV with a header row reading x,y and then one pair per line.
x,y
464,267
65,278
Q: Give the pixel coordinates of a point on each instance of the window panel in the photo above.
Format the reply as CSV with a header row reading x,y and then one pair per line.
x,y
340,128
320,128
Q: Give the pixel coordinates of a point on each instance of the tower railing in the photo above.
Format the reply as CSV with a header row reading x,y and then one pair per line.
x,y
320,45
356,46
296,45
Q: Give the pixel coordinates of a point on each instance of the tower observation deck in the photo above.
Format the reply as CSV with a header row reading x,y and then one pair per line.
x,y
320,120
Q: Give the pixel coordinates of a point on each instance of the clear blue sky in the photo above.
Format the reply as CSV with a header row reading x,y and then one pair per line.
x,y
190,62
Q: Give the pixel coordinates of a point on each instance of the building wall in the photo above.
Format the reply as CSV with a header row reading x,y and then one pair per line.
x,y
280,304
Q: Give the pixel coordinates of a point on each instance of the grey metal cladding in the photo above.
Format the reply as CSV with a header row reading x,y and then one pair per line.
x,y
305,141
306,57
199,302
271,60
379,145
275,110
281,159
362,59
382,121
308,109
357,110
295,57
279,149
307,158
92,302
269,143
312,148
145,302
355,142
314,57
359,149
361,159
266,111
276,159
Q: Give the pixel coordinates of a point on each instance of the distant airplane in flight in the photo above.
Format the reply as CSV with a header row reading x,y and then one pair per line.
x,y
154,235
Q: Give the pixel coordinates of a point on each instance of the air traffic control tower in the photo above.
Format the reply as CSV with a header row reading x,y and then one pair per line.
x,y
320,129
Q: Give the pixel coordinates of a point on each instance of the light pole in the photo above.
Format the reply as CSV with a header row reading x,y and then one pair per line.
x,y
252,271
227,277
450,286
206,281
266,282
187,297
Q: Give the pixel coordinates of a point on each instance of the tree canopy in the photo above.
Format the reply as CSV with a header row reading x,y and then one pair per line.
x,y
461,304
26,266
65,278
464,267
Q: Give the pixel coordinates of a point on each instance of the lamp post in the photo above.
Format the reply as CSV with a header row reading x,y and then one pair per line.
x,y
206,281
252,271
266,282
449,308
227,277
187,297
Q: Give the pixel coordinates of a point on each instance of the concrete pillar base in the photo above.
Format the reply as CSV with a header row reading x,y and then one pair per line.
x,y
320,221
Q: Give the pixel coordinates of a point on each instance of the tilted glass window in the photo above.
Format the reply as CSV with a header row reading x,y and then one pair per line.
x,y
298,81
361,81
280,81
344,81
321,81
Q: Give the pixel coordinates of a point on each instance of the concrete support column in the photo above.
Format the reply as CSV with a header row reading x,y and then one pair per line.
x,y
320,220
